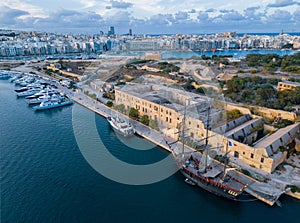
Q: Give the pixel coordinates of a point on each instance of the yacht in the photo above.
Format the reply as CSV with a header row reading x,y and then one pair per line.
x,y
28,92
5,75
45,97
48,104
121,126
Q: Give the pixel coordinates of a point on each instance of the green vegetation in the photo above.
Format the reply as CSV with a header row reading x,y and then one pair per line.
x,y
121,83
262,92
281,123
133,113
109,104
233,114
120,108
168,67
138,62
145,119
109,95
153,124
272,62
295,189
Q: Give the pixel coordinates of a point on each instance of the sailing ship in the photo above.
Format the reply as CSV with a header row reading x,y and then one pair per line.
x,y
207,173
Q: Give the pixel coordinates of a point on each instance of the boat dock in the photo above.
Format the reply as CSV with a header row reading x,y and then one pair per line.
x,y
265,192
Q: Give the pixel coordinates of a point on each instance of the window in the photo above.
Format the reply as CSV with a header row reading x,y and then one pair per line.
x,y
192,134
262,160
167,119
252,155
236,154
198,126
243,153
170,113
170,120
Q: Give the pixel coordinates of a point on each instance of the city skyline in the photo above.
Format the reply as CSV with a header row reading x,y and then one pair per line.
x,y
155,17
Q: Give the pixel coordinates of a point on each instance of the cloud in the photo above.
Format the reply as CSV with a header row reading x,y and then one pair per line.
x,y
226,10
281,16
202,16
181,16
9,16
231,15
157,18
211,10
283,3
120,4
296,15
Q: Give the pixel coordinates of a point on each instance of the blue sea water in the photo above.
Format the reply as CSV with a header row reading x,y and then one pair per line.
x,y
44,178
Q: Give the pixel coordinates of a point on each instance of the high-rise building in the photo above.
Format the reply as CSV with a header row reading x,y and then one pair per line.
x,y
130,32
111,31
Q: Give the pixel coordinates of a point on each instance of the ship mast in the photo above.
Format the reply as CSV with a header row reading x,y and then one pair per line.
x,y
225,160
183,129
206,138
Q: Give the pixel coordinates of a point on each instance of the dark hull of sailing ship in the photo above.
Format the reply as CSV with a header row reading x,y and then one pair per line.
x,y
211,185
211,178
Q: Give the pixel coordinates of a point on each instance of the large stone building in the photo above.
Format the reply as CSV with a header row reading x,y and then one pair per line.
x,y
168,106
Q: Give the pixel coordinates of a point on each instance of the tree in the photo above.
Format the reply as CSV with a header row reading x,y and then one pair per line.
x,y
133,113
235,113
120,108
235,84
109,104
145,119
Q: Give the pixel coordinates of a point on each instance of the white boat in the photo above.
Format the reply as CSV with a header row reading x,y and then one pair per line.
x,y
5,75
28,92
189,181
46,97
121,126
16,77
52,104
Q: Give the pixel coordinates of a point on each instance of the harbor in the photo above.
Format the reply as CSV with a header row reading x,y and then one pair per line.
x,y
259,190
37,91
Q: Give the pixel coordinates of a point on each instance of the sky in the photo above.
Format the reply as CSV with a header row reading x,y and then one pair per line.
x,y
151,16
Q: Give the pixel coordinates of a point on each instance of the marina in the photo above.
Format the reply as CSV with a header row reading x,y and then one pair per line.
x,y
44,95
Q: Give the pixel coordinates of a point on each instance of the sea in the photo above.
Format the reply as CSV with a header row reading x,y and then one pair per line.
x,y
45,178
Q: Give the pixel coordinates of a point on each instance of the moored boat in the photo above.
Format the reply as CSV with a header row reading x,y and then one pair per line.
x,y
52,104
207,173
121,126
